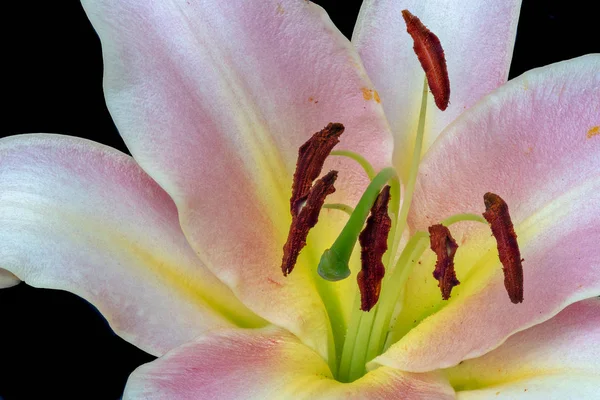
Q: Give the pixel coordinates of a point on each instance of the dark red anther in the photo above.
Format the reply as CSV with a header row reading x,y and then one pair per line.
x,y
311,157
305,220
373,244
496,213
429,50
444,246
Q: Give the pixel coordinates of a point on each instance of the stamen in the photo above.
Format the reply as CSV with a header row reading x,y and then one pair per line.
x,y
444,246
311,157
429,50
496,213
373,242
305,220
333,265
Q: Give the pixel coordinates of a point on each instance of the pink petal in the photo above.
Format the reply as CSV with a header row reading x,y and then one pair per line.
x,y
530,141
477,37
7,279
213,99
558,359
79,216
266,364
527,142
546,387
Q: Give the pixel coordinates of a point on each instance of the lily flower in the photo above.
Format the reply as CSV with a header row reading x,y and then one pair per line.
x,y
181,246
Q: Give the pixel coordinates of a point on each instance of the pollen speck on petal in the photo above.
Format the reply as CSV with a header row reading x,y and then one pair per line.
x,y
429,50
376,96
444,246
496,213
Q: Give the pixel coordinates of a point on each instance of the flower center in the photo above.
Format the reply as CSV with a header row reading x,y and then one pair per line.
x,y
371,326
383,276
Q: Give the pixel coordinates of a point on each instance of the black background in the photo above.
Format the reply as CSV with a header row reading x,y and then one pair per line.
x,y
52,343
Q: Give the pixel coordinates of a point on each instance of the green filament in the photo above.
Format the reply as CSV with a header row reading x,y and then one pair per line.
x,y
414,166
350,342
364,163
463,217
393,289
339,206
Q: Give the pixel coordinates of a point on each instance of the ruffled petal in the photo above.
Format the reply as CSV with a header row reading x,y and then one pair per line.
x,y
213,99
557,359
266,364
529,143
477,37
79,216
7,279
